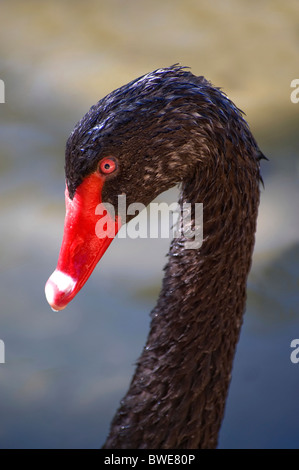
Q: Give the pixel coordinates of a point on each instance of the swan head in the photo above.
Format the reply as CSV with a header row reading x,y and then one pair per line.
x,y
140,140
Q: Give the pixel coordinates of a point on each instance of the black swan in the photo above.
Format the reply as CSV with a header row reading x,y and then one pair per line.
x,y
164,128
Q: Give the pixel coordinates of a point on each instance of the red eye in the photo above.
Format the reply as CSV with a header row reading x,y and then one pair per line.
x,y
107,166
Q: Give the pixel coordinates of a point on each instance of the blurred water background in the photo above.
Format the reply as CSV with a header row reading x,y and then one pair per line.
x,y
65,373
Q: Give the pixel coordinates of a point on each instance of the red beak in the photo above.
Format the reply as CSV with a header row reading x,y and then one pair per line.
x,y
83,242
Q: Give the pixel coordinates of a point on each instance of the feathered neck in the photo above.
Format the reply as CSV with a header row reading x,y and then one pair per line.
x,y
177,396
